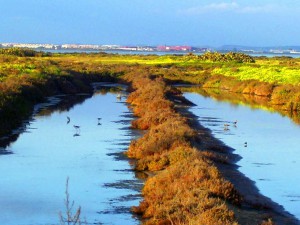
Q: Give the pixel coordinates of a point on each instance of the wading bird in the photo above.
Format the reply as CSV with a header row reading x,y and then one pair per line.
x,y
226,126
245,144
77,128
68,118
235,123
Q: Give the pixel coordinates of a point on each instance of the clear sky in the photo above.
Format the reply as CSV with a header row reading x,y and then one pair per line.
x,y
153,22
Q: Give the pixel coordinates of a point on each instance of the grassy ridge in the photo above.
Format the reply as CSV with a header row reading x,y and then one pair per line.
x,y
188,189
284,97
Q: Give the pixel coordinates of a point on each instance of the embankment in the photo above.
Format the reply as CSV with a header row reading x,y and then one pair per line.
x,y
282,97
186,186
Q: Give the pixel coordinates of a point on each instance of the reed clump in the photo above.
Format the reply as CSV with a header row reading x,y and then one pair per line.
x,y
187,188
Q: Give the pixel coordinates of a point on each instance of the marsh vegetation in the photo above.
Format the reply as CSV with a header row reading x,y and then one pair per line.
x,y
186,186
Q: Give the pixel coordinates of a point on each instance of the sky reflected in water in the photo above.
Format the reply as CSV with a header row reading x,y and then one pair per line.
x,y
34,176
271,157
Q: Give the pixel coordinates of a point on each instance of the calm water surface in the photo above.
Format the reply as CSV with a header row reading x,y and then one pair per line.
x,y
271,157
124,52
101,182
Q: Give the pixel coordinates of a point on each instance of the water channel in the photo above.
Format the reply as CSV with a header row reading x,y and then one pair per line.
x,y
267,142
101,180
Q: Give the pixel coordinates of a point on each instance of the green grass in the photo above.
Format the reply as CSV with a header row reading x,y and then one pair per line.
x,y
282,71
267,73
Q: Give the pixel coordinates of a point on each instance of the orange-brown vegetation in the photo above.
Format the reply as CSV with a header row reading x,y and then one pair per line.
x,y
187,188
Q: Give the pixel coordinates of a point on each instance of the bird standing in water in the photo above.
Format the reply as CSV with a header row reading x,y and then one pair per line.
x,y
77,128
226,126
119,96
235,123
68,118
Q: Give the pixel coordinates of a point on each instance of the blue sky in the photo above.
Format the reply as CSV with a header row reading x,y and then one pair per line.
x,y
153,22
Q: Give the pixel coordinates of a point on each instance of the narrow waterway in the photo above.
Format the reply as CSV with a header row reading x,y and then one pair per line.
x,y
267,142
101,180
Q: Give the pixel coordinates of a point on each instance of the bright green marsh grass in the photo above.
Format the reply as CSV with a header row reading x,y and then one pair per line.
x,y
266,73
273,70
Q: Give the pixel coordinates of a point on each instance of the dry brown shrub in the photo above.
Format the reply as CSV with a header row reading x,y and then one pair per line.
x,y
152,118
188,189
161,138
294,103
281,94
216,157
264,89
181,195
250,87
228,83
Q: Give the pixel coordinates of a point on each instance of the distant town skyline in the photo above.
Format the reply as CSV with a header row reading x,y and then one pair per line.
x,y
152,22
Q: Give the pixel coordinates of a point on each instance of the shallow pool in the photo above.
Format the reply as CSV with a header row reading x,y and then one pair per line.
x,y
101,180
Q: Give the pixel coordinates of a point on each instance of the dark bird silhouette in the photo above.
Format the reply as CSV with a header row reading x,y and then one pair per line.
x,y
68,118
235,123
245,144
77,128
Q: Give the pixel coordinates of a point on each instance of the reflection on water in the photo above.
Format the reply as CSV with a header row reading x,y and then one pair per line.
x,y
101,179
251,101
267,142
